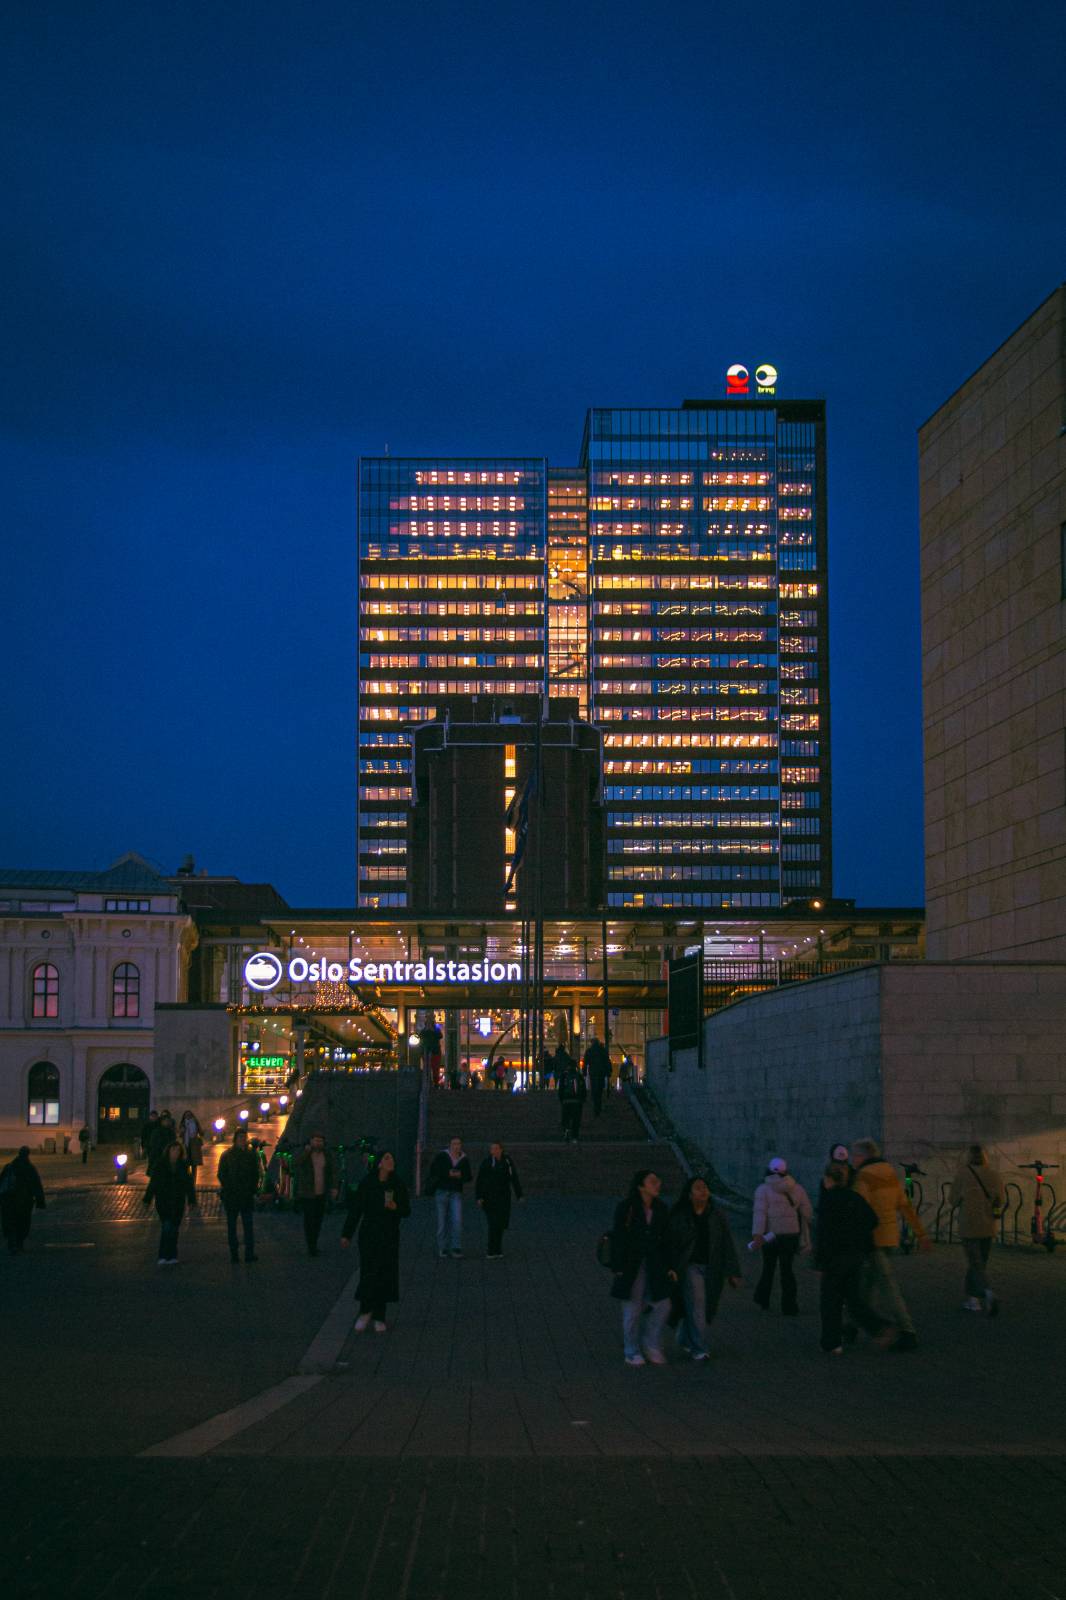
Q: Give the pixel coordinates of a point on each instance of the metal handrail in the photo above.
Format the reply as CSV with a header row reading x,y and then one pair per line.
x,y
945,1205
1007,1187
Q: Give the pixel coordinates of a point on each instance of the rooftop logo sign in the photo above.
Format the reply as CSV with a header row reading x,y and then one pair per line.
x,y
738,379
264,971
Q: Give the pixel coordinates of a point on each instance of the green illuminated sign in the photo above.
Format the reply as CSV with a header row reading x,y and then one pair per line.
x,y
266,1061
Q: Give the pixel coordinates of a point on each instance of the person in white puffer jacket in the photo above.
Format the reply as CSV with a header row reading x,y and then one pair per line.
x,y
780,1228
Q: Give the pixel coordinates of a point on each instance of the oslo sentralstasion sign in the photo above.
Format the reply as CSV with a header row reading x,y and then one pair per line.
x,y
265,971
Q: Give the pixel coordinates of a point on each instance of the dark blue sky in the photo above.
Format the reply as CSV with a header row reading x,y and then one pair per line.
x,y
246,242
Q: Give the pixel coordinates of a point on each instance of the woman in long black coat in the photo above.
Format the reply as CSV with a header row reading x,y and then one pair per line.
x,y
377,1208
168,1186
640,1261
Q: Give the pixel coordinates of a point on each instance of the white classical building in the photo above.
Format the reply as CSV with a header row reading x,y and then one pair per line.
x,y
85,957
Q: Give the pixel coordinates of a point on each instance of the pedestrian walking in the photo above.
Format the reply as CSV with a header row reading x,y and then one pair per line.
x,y
21,1193
449,1171
879,1183
192,1137
497,1180
147,1129
978,1190
168,1186
572,1093
85,1140
238,1180
499,1074
547,1069
704,1257
780,1228
376,1208
640,1262
316,1185
160,1139
597,1064
844,1243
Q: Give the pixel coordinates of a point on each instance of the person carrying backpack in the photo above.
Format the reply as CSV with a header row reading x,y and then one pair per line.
x,y
780,1228
572,1093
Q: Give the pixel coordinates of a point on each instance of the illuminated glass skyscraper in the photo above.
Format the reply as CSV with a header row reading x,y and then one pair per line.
x,y
674,584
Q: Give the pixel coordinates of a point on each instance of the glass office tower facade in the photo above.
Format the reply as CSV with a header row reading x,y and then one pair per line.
x,y
452,600
675,584
709,651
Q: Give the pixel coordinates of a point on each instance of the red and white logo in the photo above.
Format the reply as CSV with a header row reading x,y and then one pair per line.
x,y
737,380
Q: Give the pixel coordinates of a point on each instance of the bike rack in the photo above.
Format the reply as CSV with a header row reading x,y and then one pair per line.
x,y
945,1205
1050,1206
1007,1187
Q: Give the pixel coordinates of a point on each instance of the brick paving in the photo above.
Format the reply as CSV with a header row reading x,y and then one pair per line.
x,y
493,1443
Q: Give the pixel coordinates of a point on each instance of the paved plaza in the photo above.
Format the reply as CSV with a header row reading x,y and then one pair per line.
x,y
493,1443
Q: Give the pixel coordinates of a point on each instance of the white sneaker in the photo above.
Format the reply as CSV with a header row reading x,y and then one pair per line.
x,y
700,1355
380,1327
362,1322
972,1304
656,1358
634,1361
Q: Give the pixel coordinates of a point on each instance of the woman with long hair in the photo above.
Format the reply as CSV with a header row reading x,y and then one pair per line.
x,y
640,1262
168,1186
703,1255
377,1208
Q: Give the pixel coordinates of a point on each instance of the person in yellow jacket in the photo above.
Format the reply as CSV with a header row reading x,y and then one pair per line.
x,y
881,1187
978,1189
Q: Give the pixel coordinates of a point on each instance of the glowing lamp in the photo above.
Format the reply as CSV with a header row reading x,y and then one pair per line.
x,y
413,1041
220,1123
283,1099
264,1106
121,1163
244,1114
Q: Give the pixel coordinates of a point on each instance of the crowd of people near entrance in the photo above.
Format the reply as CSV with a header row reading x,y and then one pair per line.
x,y
669,1266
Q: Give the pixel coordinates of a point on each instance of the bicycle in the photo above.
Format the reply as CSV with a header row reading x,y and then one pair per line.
x,y
1040,1228
916,1195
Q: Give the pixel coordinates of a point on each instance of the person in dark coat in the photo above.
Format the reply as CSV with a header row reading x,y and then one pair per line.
x,y
843,1246
315,1178
597,1064
703,1255
572,1093
238,1179
496,1180
448,1172
168,1186
21,1191
640,1262
192,1137
85,1140
160,1139
148,1127
377,1207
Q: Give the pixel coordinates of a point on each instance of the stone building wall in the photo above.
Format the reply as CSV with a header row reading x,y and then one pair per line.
x,y
925,1057
993,511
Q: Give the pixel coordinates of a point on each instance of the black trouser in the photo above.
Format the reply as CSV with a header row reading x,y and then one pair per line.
x,y
842,1286
246,1214
572,1110
497,1221
372,1308
314,1211
84,1155
782,1249
597,1096
16,1225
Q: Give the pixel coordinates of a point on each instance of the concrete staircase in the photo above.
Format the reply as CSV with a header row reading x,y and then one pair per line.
x,y
613,1146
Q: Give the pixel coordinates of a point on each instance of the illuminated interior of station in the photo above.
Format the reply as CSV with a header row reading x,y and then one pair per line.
x,y
471,979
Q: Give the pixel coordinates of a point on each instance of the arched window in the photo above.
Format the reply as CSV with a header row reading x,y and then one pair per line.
x,y
126,990
42,1094
46,990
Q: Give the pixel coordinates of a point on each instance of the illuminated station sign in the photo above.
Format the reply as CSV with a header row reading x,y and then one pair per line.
x,y
265,970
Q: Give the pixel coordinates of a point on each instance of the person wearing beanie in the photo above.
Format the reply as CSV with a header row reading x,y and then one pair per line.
x,y
780,1228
